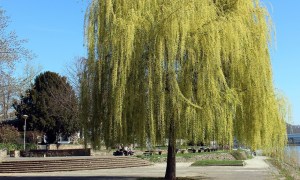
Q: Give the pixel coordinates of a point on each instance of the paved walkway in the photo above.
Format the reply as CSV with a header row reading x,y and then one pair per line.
x,y
255,168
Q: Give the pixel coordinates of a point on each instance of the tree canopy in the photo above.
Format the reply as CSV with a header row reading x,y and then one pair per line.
x,y
187,69
51,105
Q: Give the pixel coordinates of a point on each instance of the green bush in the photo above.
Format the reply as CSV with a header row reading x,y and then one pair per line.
x,y
11,146
239,155
31,146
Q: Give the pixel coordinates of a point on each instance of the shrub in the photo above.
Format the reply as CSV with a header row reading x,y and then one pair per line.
x,y
33,136
31,146
9,134
11,146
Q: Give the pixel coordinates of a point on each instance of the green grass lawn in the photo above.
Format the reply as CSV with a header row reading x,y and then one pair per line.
x,y
218,163
157,158
213,162
186,154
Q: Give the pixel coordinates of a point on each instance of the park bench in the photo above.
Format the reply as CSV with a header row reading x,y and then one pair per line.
x,y
152,152
191,150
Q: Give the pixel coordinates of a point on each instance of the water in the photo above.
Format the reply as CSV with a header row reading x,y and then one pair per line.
x,y
294,153
294,147
298,148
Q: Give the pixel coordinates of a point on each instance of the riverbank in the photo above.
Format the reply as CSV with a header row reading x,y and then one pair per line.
x,y
286,170
289,165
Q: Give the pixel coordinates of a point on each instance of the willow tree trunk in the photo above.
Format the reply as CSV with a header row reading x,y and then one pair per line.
x,y
171,161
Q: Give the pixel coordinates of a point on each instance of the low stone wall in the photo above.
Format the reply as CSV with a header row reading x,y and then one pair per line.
x,y
56,153
101,153
65,146
14,153
41,147
3,154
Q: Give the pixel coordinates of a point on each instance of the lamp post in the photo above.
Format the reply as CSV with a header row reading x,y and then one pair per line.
x,y
25,117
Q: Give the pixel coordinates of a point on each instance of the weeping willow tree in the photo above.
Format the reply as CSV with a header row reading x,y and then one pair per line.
x,y
180,69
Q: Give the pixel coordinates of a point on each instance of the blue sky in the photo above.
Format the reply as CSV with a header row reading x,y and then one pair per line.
x,y
54,29
286,51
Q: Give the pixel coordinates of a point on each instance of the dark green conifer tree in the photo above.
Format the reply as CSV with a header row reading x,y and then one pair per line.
x,y
51,105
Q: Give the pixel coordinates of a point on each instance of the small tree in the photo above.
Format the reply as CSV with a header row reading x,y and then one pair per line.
x,y
9,134
11,51
74,72
33,136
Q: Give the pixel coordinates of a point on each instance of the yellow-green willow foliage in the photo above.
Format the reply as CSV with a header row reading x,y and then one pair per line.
x,y
202,65
279,139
